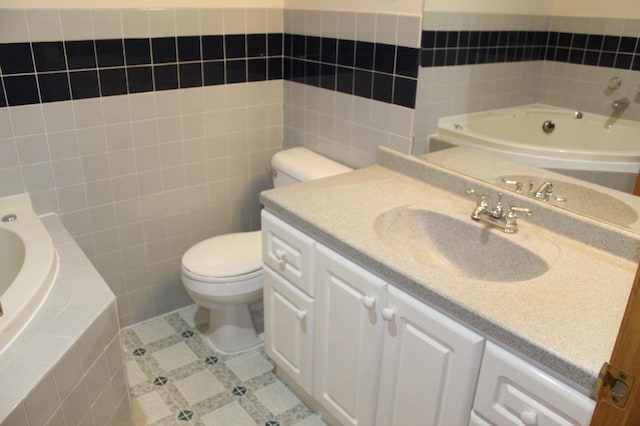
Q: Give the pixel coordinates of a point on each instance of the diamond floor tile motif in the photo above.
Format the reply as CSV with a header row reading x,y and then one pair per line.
x,y
180,380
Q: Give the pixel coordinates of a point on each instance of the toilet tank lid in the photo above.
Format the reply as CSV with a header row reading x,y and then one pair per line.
x,y
303,164
225,255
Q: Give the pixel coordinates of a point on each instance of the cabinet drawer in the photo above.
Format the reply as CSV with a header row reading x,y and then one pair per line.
x,y
288,251
512,392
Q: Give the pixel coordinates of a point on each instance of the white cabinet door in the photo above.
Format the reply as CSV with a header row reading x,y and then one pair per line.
x,y
513,392
288,318
348,338
429,365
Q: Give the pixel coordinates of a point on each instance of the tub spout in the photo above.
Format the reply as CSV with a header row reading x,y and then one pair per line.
x,y
620,104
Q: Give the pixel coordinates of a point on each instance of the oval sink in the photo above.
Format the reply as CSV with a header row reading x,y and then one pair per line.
x,y
581,199
464,248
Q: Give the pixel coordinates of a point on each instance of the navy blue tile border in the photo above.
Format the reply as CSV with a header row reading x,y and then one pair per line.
x,y
53,71
449,48
42,72
376,71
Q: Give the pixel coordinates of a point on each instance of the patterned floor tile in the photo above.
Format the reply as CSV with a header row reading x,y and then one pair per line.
x,y
277,398
177,379
151,331
249,365
199,386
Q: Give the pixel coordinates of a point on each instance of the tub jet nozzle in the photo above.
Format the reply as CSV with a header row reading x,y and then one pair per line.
x,y
548,126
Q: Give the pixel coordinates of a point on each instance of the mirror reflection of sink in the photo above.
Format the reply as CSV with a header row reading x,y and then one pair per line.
x,y
581,199
458,247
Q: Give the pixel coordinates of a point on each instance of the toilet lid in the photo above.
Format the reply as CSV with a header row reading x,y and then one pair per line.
x,y
225,255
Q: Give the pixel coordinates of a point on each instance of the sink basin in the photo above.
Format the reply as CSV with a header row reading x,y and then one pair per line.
x,y
582,199
464,248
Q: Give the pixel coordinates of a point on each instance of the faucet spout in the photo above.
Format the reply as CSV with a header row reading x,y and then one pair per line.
x,y
507,222
620,104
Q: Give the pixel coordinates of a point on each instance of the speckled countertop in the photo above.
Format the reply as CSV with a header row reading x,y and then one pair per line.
x,y
566,319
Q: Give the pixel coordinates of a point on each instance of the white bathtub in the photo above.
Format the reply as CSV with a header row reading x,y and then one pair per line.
x,y
28,265
590,143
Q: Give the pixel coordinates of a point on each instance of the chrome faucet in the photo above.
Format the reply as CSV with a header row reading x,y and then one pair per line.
x,y
544,191
496,216
620,104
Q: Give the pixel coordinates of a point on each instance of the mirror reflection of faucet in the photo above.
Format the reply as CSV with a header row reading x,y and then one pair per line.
x,y
543,192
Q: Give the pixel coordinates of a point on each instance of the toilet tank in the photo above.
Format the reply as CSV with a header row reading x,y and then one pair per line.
x,y
300,164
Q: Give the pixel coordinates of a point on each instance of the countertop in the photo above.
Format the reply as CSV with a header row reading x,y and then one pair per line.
x,y
566,319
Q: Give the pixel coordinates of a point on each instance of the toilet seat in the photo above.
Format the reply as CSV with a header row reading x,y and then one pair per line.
x,y
225,259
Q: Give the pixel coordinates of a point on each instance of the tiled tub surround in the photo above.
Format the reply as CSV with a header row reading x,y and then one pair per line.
x,y
351,81
176,378
478,62
137,178
66,366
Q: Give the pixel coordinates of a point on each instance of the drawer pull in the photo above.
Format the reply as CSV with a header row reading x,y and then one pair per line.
x,y
301,315
388,314
529,418
280,254
368,302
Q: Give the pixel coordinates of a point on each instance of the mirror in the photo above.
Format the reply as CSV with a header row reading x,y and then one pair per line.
x,y
492,55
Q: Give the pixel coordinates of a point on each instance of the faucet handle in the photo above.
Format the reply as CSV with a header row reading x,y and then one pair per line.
x,y
510,181
513,210
481,198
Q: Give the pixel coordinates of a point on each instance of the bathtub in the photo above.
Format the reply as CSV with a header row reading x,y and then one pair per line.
x,y
579,141
59,335
28,265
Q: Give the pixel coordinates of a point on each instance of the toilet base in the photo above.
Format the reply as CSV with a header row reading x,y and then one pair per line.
x,y
231,329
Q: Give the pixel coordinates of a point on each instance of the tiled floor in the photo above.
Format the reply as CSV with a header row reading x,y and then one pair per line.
x,y
175,378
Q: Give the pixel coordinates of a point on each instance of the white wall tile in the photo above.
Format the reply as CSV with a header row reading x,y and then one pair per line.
x,y
44,24
42,402
135,23
386,28
162,22
347,25
14,26
212,21
409,31
106,23
235,21
257,20
76,24
275,21
366,27
187,22
27,120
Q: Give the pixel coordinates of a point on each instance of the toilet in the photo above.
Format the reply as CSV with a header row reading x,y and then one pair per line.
x,y
224,273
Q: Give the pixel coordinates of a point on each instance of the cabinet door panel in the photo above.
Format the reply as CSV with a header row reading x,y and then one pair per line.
x,y
288,317
349,337
429,366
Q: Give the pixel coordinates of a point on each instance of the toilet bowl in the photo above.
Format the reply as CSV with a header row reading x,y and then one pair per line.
x,y
224,274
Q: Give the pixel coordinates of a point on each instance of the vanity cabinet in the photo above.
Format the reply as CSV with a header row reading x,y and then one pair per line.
x,y
288,288
429,365
368,353
511,391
